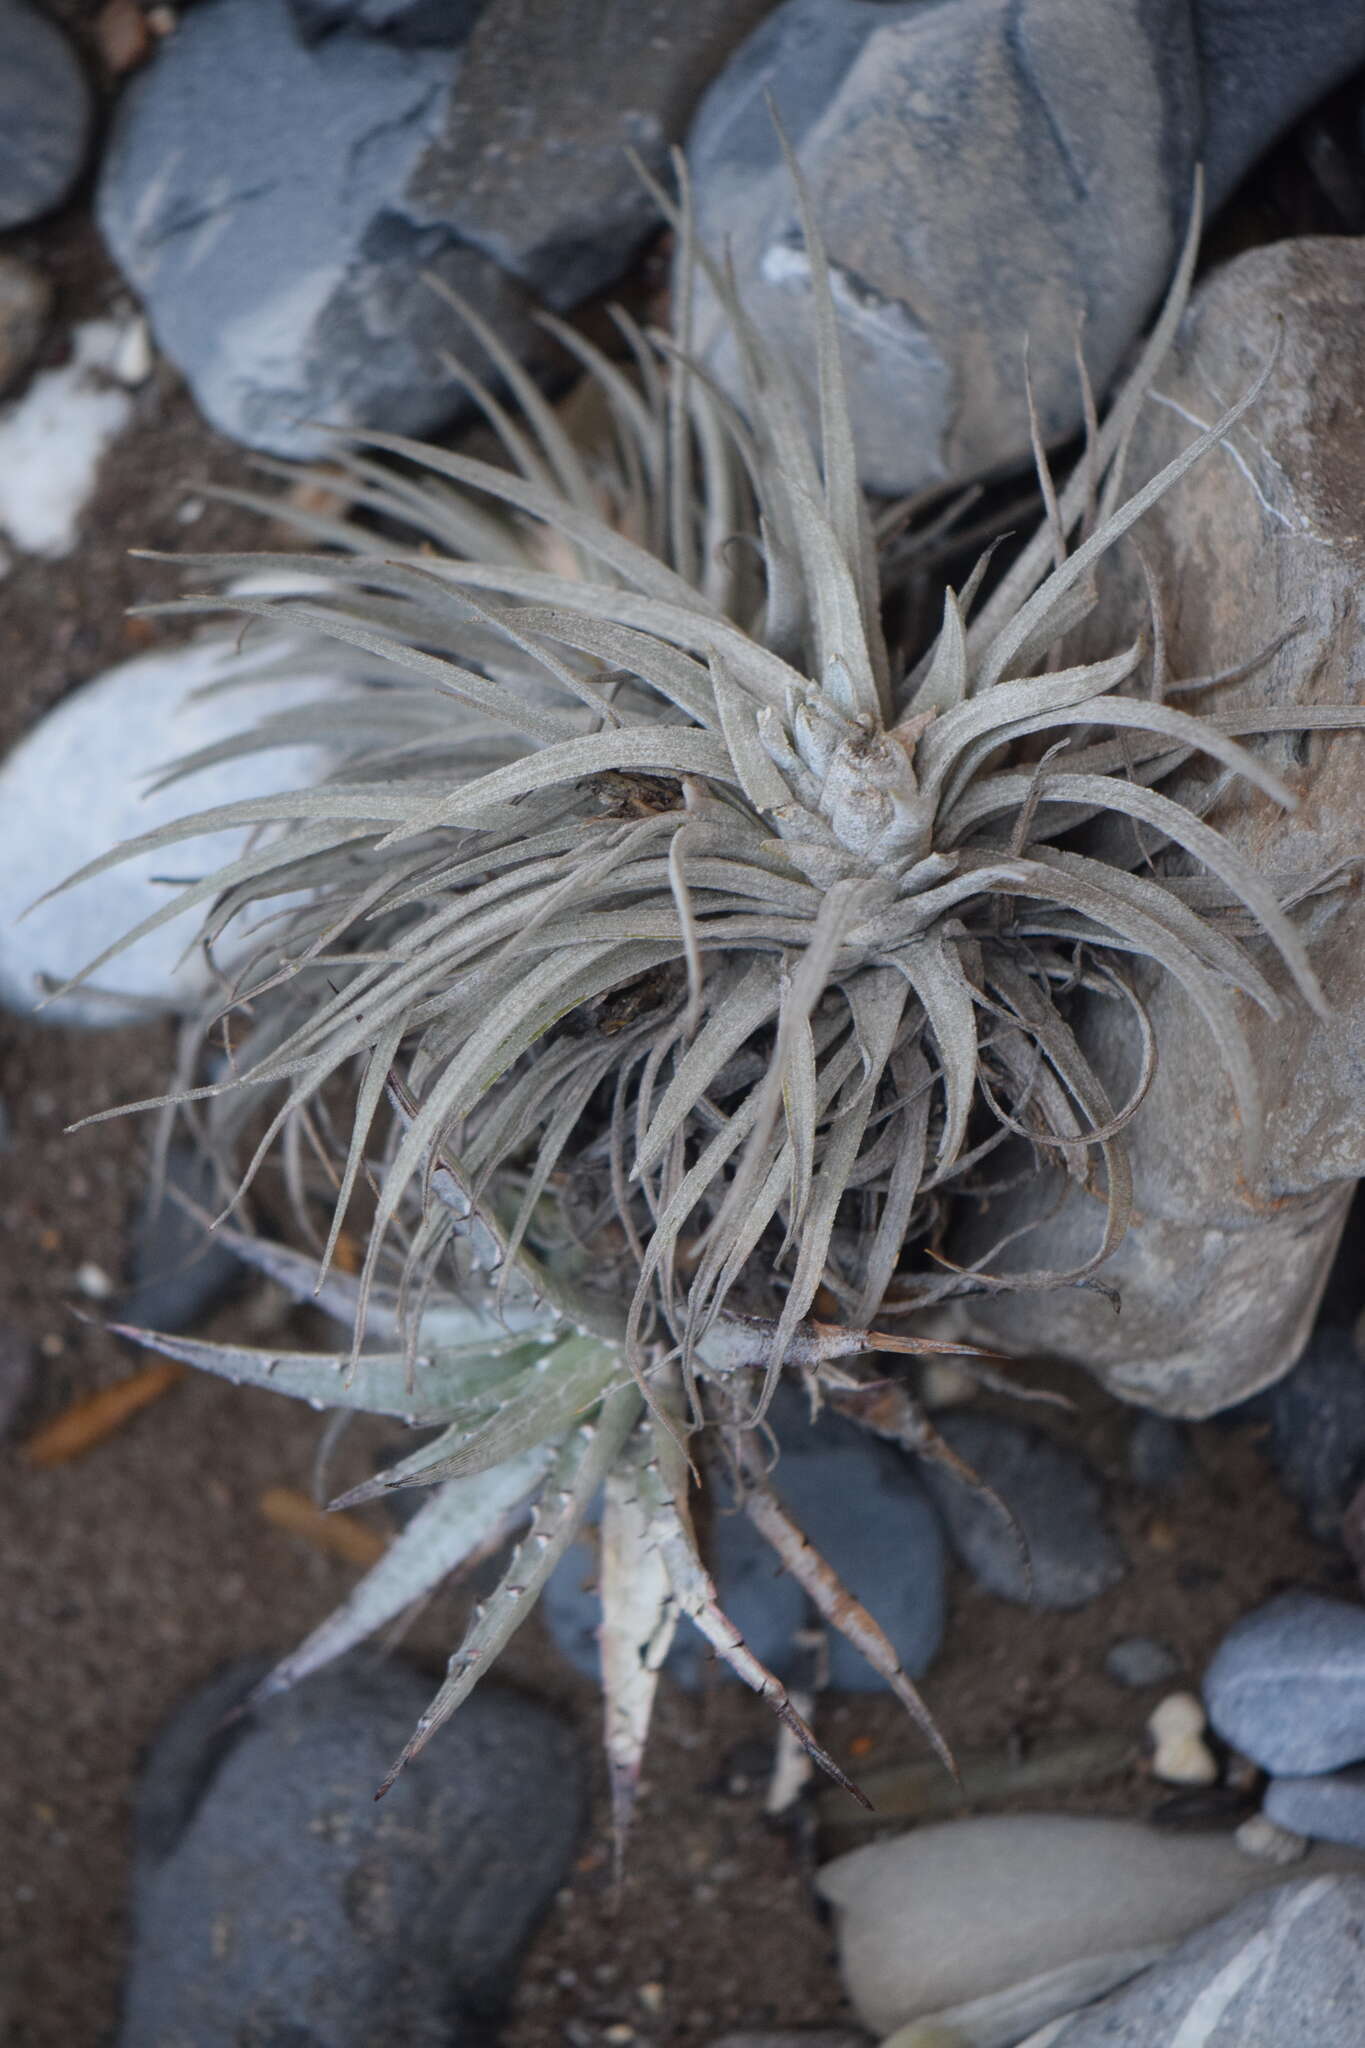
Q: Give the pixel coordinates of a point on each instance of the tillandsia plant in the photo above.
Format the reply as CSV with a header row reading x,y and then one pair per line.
x,y
672,954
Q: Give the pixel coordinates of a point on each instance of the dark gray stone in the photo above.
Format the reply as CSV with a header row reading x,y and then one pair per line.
x,y
1056,1499
179,1270
1158,1453
444,23
859,1504
1317,1429
1283,1970
45,114
982,172
1329,1808
533,166
257,193
1287,1685
275,1903
1140,1661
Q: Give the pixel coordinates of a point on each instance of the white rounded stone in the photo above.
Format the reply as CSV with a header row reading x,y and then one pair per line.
x,y
77,785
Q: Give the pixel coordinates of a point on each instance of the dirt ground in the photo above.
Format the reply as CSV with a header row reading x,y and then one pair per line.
x,y
128,1576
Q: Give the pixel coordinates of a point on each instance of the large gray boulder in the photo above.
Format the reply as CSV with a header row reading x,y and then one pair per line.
x,y
1220,1275
988,1928
981,172
1285,1970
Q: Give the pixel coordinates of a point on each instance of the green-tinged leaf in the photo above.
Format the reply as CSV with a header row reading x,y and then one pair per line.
x,y
580,1469
460,1523
377,1382
534,1406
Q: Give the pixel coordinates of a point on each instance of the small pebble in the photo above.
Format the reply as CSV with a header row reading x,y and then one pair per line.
x,y
93,1282
945,1385
133,358
1287,1685
1329,1808
122,35
1262,1838
1141,1660
1181,1755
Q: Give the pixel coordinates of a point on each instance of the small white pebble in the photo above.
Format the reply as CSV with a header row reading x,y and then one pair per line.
x,y
93,1282
1268,1843
1181,1756
944,1385
132,358
189,510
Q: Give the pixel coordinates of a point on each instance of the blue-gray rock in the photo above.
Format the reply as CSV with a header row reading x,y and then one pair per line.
x,y
1317,1429
859,1504
179,1269
256,194
1283,1970
1140,1661
982,172
1330,1808
1158,1453
275,1902
45,114
444,23
534,163
1055,1497
1287,1685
